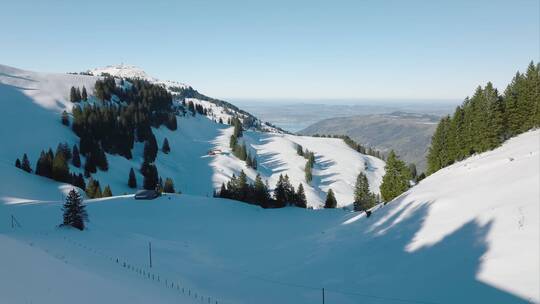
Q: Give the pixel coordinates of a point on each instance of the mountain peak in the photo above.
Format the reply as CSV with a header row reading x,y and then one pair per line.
x,y
132,71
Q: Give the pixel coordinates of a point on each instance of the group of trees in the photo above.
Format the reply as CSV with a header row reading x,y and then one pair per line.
x,y
356,146
24,165
485,120
75,94
285,194
239,188
240,150
114,127
310,156
55,165
195,108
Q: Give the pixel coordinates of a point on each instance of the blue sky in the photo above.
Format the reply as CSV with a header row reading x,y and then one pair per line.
x,y
283,49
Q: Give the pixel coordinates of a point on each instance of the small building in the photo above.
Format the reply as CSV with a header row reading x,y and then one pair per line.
x,y
146,194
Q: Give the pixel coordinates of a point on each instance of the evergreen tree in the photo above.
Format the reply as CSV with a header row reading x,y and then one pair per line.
x,y
93,189
150,149
363,198
299,150
65,118
84,94
165,147
60,169
76,159
132,181
169,186
74,210
261,195
397,177
73,95
330,200
307,171
279,192
78,94
44,164
107,192
78,181
25,165
300,196
151,177
89,165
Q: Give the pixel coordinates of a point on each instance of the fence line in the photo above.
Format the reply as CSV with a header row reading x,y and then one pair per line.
x,y
186,291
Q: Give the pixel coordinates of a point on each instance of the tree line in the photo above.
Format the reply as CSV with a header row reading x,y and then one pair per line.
x,y
355,146
485,120
310,156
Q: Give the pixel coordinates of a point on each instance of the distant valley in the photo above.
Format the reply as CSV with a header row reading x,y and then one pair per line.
x,y
409,134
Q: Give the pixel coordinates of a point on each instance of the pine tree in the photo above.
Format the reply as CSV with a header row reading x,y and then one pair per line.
x,y
60,169
150,149
76,159
279,192
169,186
107,191
300,196
307,171
90,165
165,147
132,181
151,177
397,177
65,118
363,198
78,94
261,194
330,200
73,95
44,164
84,95
74,210
25,165
93,189
299,150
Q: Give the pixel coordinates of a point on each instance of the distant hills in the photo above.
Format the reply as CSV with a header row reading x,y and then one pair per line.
x,y
409,134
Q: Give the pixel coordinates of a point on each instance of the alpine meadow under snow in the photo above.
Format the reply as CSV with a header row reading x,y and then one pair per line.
x,y
466,234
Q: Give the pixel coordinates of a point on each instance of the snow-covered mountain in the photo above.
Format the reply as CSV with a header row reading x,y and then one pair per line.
x,y
32,102
466,234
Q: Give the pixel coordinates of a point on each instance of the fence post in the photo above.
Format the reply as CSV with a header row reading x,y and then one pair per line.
x,y
150,252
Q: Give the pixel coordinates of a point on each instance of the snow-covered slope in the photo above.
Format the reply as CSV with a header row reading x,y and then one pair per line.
x,y
30,108
467,234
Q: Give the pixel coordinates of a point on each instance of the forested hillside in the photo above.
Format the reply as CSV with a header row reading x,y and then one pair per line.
x,y
487,119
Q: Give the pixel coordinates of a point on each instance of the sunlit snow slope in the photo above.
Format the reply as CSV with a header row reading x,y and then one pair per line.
x,y
30,108
467,234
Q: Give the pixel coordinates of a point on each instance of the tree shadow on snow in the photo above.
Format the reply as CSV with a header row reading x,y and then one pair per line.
x,y
380,269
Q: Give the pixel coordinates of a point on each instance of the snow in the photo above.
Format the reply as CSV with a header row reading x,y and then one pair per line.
x,y
131,71
466,234
462,242
36,101
336,164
